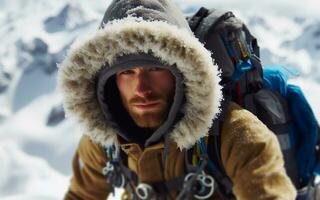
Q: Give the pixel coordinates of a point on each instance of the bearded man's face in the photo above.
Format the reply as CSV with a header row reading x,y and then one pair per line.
x,y
147,94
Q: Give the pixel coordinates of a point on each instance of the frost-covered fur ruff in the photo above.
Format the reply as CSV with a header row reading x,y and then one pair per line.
x,y
78,72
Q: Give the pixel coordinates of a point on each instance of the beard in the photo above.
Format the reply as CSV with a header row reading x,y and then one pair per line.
x,y
151,117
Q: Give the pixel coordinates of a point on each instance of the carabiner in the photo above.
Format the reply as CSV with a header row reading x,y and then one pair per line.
x,y
205,184
144,191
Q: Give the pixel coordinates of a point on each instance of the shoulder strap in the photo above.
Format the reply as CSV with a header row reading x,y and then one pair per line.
x,y
214,152
215,166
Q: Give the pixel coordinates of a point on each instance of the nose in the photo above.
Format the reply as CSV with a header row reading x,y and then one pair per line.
x,y
143,88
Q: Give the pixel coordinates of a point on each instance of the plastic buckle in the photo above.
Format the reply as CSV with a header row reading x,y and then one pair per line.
x,y
241,68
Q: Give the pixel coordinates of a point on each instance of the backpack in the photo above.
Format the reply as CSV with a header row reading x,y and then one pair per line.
x,y
265,92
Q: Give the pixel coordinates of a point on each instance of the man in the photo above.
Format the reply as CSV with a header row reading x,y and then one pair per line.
x,y
146,87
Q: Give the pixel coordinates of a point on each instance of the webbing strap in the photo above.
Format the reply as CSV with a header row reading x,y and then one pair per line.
x,y
215,168
164,187
290,164
223,181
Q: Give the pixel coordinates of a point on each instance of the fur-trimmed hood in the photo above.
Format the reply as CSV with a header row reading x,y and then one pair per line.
x,y
141,26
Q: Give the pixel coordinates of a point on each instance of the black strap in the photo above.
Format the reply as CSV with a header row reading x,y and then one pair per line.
x,y
224,183
189,188
165,187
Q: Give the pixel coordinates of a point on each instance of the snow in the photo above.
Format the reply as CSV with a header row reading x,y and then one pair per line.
x,y
311,90
24,173
37,143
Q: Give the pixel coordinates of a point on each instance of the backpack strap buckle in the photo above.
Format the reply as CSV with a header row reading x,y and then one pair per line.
x,y
241,67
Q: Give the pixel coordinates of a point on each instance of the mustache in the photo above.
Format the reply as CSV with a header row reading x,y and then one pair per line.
x,y
148,99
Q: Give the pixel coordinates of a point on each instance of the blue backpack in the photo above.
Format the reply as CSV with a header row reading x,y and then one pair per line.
x,y
265,92
303,129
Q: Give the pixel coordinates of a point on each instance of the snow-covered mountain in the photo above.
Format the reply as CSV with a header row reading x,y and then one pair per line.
x,y
37,143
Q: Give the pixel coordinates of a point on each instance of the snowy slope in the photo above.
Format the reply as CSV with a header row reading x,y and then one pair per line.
x,y
37,143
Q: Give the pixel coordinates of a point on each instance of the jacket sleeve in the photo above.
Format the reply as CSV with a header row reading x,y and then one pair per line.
x,y
88,182
252,158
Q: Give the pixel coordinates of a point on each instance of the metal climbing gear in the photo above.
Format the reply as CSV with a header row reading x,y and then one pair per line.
x,y
112,175
198,185
118,176
204,185
144,191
